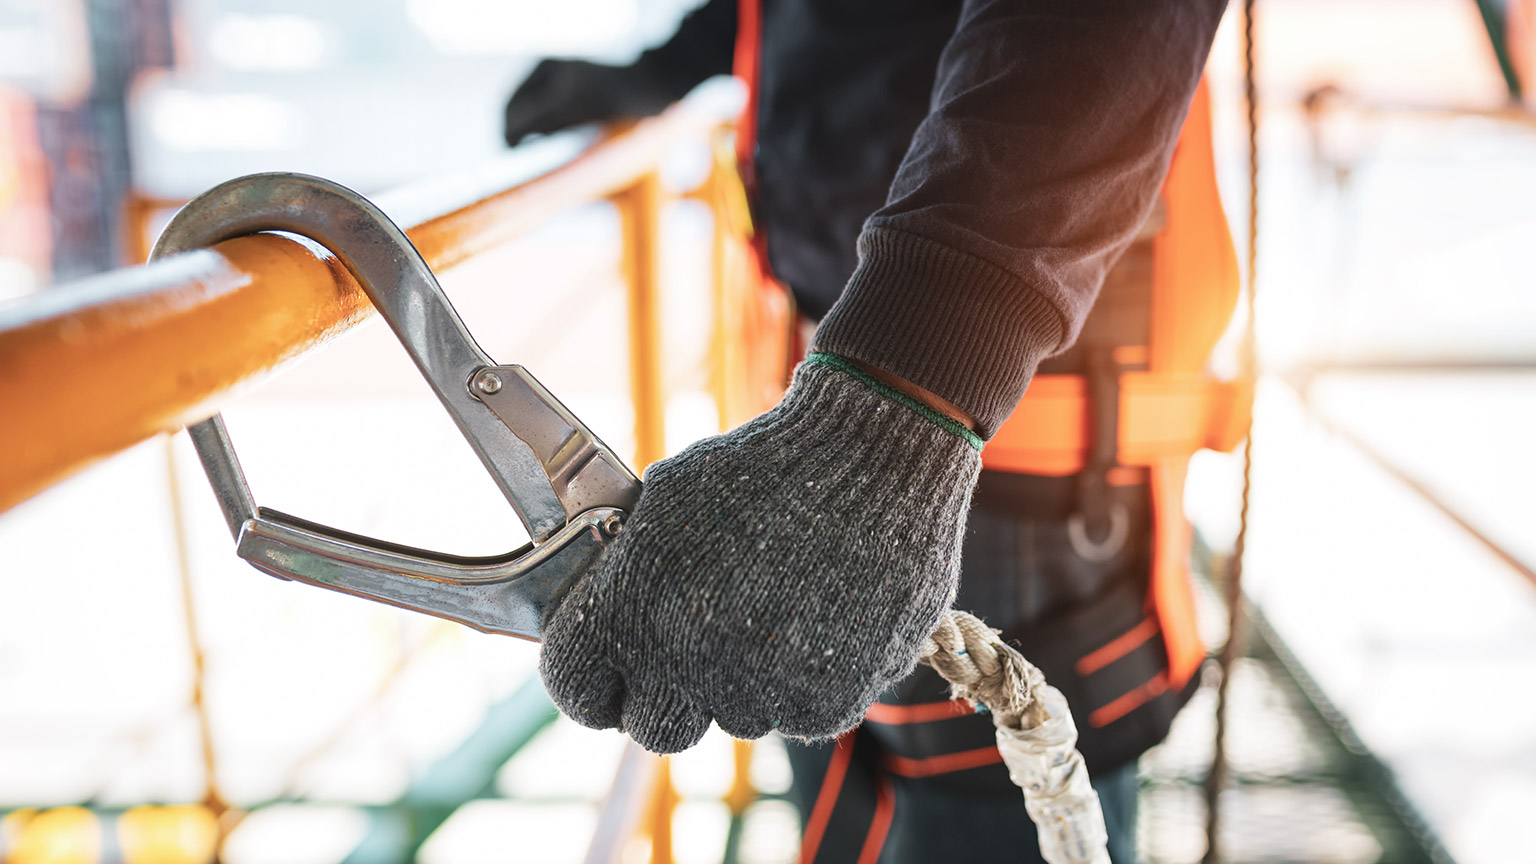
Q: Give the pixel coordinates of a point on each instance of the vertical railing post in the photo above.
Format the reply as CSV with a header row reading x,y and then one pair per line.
x,y
640,217
136,240
742,793
663,806
724,350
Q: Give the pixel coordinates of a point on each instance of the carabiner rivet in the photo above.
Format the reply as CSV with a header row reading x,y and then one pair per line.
x,y
487,382
613,524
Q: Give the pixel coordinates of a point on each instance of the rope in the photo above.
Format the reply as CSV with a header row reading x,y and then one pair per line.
x,y
1035,735
1216,780
984,670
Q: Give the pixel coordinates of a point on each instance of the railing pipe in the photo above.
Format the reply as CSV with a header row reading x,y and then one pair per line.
x,y
1428,495
1414,365
89,369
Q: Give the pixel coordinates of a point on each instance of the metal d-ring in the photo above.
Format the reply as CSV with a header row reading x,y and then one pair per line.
x,y
1100,551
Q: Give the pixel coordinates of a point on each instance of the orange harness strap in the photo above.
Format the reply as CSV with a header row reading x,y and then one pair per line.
x,y
754,348
747,64
1162,417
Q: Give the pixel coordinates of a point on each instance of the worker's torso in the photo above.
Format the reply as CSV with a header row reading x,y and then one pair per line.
x,y
843,85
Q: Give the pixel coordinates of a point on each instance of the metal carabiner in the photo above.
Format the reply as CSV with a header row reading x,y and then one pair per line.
x,y
568,488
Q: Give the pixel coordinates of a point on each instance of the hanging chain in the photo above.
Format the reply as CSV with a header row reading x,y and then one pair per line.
x,y
1216,780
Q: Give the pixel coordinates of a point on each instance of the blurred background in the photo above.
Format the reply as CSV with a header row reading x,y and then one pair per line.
x,y
162,701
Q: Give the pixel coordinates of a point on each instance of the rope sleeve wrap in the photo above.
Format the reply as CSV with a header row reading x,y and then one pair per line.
x,y
1035,734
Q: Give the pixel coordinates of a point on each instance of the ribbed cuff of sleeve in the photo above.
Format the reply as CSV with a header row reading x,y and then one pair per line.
x,y
954,324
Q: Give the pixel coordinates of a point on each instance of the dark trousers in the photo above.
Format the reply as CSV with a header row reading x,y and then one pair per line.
x,y
877,817
921,781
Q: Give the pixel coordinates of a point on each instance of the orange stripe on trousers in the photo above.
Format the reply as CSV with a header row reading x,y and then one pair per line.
x,y
945,764
880,825
1129,702
826,799
1117,647
922,712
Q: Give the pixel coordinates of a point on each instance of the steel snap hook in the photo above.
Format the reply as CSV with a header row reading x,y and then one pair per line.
x,y
569,488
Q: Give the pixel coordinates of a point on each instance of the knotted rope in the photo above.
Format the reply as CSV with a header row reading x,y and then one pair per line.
x,y
983,669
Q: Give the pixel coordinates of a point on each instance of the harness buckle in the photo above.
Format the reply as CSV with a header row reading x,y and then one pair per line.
x,y
569,489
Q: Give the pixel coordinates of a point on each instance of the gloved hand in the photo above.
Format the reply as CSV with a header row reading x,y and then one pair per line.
x,y
559,94
779,576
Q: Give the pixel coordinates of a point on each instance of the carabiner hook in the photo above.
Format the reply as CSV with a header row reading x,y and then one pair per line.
x,y
570,490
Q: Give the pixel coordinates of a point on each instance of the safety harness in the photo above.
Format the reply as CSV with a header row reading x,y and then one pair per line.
x,y
1151,405
1142,405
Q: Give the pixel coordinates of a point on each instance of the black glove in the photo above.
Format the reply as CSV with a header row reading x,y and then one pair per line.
x,y
564,93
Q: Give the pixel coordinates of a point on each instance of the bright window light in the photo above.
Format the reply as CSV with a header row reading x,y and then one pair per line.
x,y
268,42
523,26
192,122
296,835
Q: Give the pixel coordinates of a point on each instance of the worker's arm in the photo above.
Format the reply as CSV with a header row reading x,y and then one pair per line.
x,y
1051,129
782,575
563,93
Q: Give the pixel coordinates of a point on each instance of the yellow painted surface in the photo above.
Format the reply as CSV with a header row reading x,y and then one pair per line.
x,y
66,835
11,825
177,834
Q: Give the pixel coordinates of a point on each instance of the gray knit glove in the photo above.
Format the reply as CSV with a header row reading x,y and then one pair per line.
x,y
778,577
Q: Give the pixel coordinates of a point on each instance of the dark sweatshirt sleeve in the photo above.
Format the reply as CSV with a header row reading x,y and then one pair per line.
x,y
702,47
1050,130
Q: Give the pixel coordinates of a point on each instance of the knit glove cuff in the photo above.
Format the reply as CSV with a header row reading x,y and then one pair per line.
x,y
938,418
